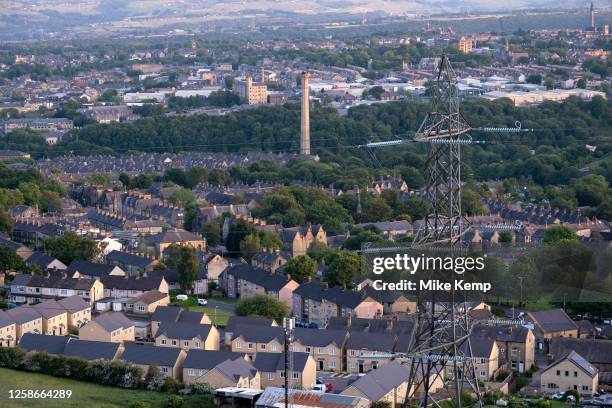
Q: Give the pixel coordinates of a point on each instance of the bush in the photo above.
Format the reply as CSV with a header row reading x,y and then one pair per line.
x,y
175,402
11,357
491,397
139,404
171,385
574,393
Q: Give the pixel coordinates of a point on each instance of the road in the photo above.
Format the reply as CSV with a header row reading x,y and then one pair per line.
x,y
222,305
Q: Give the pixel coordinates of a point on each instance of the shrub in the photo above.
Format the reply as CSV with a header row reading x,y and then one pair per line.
x,y
201,388
171,385
154,380
491,397
11,357
574,393
175,401
139,404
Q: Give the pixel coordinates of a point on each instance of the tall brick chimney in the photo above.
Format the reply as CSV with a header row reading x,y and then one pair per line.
x,y
305,128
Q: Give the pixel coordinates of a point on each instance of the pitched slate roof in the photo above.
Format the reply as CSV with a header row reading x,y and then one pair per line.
x,y
49,308
23,314
377,383
126,258
237,369
112,321
482,347
169,237
260,277
207,359
74,303
91,350
270,362
183,331
578,360
553,320
310,290
247,320
320,338
150,355
41,342
371,341
89,268
258,334
593,350
516,334
21,279
266,258
131,283
40,258
176,314
5,319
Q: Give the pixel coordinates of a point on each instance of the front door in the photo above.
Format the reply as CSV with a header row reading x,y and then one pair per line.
x,y
361,368
321,365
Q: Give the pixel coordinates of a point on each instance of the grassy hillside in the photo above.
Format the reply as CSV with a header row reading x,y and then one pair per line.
x,y
83,394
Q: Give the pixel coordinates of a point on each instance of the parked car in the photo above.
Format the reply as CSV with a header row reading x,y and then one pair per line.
x,y
202,302
182,297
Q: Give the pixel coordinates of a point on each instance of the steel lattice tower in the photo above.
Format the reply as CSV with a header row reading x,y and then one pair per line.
x,y
443,129
442,326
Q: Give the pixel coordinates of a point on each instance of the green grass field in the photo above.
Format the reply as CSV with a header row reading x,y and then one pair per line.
x,y
222,315
83,394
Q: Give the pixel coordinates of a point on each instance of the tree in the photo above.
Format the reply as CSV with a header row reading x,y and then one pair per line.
x,y
51,202
342,269
195,176
184,259
301,268
262,306
534,79
6,222
212,232
238,230
182,197
71,246
471,203
31,193
125,180
100,180
9,260
505,237
559,234
249,246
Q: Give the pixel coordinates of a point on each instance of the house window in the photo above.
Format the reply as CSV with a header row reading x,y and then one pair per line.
x,y
514,351
308,349
332,351
575,373
191,372
483,360
238,344
552,385
141,308
332,364
270,376
164,370
274,347
295,376
282,374
263,346
353,365
174,342
353,353
186,343
321,350
567,373
558,372
197,344
585,388
483,373
250,346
